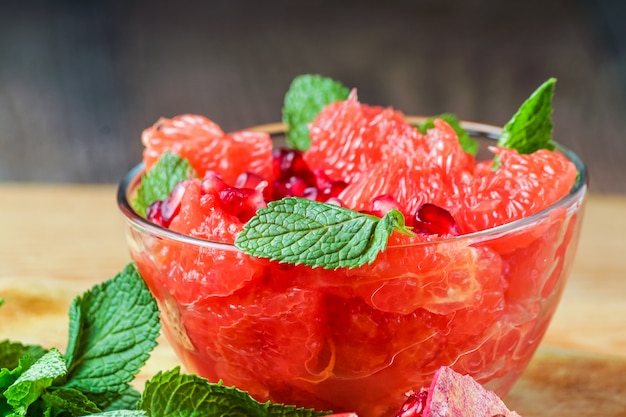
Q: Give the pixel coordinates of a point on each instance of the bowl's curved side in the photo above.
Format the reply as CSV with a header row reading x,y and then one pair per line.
x,y
359,339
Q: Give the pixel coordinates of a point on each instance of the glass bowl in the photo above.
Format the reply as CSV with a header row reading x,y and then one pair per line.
x,y
360,339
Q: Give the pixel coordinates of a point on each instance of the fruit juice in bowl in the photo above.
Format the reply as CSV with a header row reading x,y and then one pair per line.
x,y
341,272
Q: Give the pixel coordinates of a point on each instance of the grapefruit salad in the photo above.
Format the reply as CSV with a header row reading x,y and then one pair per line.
x,y
342,270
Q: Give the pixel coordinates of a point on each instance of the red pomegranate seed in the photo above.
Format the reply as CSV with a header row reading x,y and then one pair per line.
x,y
327,186
322,180
292,187
301,169
171,206
282,160
311,193
241,202
289,163
162,212
279,190
296,186
291,175
414,405
382,204
153,213
432,219
251,180
212,183
335,188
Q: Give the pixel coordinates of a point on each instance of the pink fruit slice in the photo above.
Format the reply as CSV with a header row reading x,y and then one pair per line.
x,y
454,395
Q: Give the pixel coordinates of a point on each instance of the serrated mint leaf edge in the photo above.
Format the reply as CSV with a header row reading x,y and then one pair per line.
x,y
174,393
315,233
105,335
127,398
292,218
539,103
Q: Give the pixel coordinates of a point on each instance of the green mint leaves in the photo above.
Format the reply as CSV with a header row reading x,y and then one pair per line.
x,y
301,231
530,129
105,354
307,95
113,327
174,394
29,386
157,184
469,144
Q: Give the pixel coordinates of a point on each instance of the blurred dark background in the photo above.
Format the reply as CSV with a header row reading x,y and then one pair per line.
x,y
79,80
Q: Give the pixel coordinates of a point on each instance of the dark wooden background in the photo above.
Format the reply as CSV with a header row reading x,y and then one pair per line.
x,y
79,80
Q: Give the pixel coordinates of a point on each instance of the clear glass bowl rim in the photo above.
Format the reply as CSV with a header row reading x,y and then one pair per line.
x,y
572,199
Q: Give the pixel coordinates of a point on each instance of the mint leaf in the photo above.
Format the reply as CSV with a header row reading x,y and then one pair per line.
x,y
9,376
530,129
158,183
468,143
116,400
174,394
113,327
70,401
15,359
301,231
12,352
31,384
308,94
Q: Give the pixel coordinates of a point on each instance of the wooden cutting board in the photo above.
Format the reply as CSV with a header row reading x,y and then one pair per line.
x,y
570,384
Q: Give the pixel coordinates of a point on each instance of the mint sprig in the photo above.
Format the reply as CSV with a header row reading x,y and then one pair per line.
x,y
468,144
308,94
113,327
301,231
530,128
159,181
174,394
105,354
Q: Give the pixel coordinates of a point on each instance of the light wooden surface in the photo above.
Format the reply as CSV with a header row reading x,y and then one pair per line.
x,y
57,241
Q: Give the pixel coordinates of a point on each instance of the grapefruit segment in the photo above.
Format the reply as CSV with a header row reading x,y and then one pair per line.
x,y
201,216
410,186
263,340
203,143
198,272
348,137
441,280
523,184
